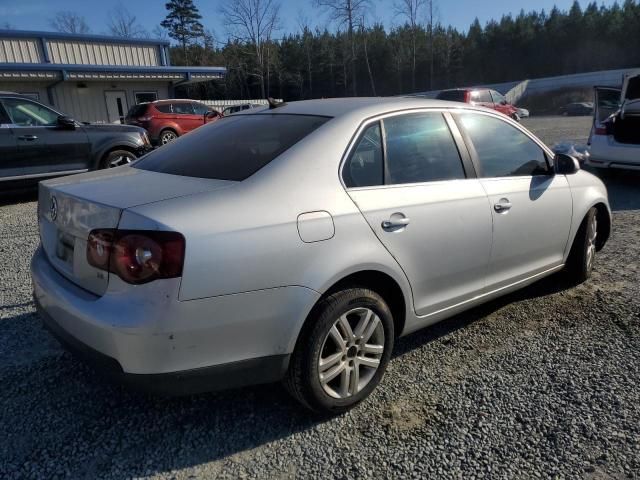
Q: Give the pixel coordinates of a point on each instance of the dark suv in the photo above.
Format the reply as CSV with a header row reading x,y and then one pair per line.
x,y
36,143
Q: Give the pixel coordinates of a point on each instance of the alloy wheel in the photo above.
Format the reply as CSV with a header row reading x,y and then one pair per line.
x,y
592,233
167,137
122,159
351,353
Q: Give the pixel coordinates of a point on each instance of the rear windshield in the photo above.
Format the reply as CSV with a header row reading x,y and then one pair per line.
x,y
452,95
608,103
232,148
137,110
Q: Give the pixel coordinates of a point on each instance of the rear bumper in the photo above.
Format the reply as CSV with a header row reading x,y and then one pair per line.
x,y
604,152
219,377
146,336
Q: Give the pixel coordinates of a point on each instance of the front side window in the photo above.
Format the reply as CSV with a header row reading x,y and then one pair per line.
x,y
29,114
498,97
420,148
233,148
200,109
364,168
503,150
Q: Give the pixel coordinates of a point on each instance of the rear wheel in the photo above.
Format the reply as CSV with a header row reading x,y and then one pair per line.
x,y
117,158
342,352
583,251
167,136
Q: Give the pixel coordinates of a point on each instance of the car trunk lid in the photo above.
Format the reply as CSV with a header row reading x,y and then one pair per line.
x,y
70,207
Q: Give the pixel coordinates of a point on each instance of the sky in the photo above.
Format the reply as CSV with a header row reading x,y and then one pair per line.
x,y
35,14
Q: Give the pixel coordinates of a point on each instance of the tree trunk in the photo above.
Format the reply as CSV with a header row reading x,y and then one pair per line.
x,y
366,57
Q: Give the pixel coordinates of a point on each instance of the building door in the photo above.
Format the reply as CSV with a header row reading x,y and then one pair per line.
x,y
116,105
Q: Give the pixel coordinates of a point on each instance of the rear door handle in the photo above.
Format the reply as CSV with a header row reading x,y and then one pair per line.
x,y
504,205
28,138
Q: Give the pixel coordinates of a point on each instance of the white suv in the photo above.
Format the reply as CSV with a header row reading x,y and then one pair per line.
x,y
614,141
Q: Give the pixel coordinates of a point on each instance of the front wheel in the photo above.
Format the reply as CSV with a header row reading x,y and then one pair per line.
x,y
342,352
583,252
117,158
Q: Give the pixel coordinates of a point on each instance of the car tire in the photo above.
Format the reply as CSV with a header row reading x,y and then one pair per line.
x,y
117,158
167,136
342,351
583,251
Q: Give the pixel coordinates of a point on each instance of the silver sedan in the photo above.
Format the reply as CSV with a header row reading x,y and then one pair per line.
x,y
296,243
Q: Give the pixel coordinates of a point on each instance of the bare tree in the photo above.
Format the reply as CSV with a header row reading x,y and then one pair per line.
x,y
69,22
431,13
346,12
254,22
307,45
365,33
123,24
410,10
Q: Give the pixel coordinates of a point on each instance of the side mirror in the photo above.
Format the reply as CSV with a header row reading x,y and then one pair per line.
x,y
565,164
66,122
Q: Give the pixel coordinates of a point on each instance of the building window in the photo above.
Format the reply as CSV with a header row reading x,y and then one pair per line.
x,y
142,97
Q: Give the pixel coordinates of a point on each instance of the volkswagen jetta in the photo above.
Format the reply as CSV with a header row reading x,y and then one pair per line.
x,y
297,243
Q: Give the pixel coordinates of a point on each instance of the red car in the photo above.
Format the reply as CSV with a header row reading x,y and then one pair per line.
x,y
483,97
166,120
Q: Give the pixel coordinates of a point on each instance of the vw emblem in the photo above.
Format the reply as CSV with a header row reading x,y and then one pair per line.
x,y
53,208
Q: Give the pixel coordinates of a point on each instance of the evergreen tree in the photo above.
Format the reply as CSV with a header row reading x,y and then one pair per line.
x,y
183,22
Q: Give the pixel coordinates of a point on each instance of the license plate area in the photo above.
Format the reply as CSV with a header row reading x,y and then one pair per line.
x,y
65,246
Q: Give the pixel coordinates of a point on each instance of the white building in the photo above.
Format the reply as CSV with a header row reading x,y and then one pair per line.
x,y
92,78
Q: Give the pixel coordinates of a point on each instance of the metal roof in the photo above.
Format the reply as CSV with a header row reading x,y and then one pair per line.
x,y
80,37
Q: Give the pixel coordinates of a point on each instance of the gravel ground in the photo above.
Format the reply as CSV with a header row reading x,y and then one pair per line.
x,y
540,384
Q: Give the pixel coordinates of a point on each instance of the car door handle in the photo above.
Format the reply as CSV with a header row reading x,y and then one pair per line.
x,y
28,138
395,223
502,206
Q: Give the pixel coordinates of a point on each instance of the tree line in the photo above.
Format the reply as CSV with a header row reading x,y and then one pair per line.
x,y
354,57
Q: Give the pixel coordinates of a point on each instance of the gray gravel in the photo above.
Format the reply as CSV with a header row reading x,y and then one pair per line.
x,y
541,384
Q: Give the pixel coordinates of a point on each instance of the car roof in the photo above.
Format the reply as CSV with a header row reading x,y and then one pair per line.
x,y
175,100
361,106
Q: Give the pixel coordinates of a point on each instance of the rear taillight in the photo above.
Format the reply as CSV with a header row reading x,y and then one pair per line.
x,y
137,256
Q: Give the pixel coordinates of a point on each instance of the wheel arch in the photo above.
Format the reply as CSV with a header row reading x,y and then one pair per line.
x,y
380,282
603,215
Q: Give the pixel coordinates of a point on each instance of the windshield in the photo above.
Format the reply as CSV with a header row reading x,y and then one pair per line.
x,y
233,148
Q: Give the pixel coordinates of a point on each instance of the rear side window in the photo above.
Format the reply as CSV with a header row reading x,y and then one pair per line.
x,y
420,148
183,108
481,96
233,148
364,168
164,108
452,95
137,110
503,150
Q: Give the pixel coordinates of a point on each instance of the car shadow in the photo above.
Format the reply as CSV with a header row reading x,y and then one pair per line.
x,y
555,283
55,403
623,187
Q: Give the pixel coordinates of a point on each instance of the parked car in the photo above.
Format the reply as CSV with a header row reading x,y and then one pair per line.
x,y
576,109
166,120
482,97
37,142
239,108
285,255
614,141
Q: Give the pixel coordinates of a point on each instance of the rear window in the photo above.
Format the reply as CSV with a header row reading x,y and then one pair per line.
x,y
452,95
233,148
137,110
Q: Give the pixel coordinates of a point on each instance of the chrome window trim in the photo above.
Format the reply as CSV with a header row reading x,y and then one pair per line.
x,y
14,97
452,110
